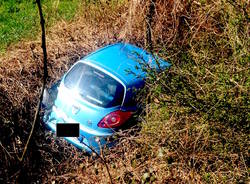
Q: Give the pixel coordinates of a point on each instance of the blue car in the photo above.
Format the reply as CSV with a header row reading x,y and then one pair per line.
x,y
98,93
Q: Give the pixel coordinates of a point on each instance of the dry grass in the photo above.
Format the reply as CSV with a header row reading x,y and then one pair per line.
x,y
195,127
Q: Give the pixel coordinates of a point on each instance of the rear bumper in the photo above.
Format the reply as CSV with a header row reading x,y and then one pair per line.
x,y
73,140
88,138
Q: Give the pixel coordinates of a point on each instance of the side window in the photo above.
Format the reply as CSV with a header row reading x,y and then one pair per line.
x,y
131,97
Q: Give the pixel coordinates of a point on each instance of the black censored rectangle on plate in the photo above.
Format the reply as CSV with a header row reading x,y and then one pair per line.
x,y
67,130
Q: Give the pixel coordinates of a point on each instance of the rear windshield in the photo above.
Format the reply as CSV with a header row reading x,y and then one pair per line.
x,y
94,86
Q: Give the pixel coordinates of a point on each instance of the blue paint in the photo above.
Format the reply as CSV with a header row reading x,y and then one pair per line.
x,y
119,63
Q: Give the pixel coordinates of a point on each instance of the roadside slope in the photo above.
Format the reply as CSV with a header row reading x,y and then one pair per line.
x,y
195,127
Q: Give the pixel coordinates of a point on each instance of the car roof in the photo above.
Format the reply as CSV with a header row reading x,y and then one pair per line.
x,y
122,60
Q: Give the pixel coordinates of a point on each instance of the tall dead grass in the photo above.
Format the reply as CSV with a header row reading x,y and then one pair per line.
x,y
194,130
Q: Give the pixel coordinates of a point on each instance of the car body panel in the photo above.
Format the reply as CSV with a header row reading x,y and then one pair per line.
x,y
121,57
119,61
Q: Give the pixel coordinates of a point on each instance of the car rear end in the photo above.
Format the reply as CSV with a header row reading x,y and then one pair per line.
x,y
97,91
93,98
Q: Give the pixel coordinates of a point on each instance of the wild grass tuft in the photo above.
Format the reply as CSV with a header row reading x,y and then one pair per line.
x,y
195,124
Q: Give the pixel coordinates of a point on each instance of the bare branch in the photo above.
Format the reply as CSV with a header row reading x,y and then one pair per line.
x,y
45,75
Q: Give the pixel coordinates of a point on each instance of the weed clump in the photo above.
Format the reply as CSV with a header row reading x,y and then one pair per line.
x,y
194,127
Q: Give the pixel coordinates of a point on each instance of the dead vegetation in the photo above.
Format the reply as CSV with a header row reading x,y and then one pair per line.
x,y
195,128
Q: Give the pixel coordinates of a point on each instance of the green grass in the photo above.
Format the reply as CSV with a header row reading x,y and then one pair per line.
x,y
19,19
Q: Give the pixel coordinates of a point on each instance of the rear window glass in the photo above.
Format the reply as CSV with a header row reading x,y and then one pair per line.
x,y
94,86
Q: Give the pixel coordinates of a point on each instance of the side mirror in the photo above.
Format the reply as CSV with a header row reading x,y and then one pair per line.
x,y
46,98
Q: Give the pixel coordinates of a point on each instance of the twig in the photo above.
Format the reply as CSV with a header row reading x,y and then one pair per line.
x,y
103,160
149,19
45,75
5,150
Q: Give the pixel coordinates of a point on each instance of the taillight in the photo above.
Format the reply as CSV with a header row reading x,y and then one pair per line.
x,y
114,119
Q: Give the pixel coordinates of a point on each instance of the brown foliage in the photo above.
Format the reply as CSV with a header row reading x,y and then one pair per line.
x,y
174,149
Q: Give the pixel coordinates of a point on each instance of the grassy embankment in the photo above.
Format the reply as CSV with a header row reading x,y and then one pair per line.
x,y
195,128
19,19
